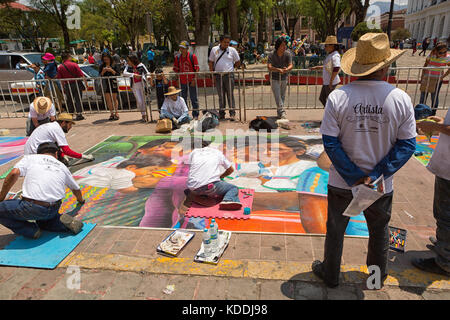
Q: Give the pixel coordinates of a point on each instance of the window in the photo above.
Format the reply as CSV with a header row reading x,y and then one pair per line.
x,y
15,60
4,62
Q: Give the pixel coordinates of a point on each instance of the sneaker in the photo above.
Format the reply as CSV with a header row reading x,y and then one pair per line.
x,y
232,117
317,268
429,265
79,117
230,205
283,116
72,224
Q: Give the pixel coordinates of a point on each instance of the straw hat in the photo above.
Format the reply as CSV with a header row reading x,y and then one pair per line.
x,y
371,54
171,91
65,117
331,40
42,105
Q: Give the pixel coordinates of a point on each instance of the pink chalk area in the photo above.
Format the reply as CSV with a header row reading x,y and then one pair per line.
x,y
213,211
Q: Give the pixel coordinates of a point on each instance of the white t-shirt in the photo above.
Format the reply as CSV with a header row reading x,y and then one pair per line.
x,y
368,117
175,108
206,166
34,114
46,178
333,60
48,132
106,175
439,163
226,63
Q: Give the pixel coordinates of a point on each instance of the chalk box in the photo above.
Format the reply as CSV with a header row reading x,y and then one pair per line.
x,y
397,239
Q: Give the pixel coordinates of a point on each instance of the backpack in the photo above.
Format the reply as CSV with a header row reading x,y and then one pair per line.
x,y
191,59
209,120
264,123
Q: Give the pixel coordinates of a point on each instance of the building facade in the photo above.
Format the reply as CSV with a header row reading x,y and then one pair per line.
x,y
398,20
428,18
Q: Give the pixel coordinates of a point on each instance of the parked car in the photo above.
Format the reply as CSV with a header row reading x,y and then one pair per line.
x,y
25,92
13,67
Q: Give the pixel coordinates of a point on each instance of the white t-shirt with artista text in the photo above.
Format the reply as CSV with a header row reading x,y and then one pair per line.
x,y
226,63
368,117
333,60
206,166
48,132
34,114
439,164
46,178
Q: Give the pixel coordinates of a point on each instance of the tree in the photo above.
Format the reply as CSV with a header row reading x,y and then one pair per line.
x,y
333,11
401,34
360,9
202,11
362,29
175,21
59,10
290,12
234,24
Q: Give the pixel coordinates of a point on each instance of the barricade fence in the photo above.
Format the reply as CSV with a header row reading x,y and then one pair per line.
x,y
245,90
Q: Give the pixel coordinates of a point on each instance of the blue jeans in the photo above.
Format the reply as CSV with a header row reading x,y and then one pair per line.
x,y
14,214
193,95
218,189
183,119
434,95
441,212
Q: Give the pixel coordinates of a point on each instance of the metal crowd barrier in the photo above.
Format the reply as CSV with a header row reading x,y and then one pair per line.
x,y
252,91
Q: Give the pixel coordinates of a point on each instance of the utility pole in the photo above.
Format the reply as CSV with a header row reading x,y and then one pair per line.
x,y
391,13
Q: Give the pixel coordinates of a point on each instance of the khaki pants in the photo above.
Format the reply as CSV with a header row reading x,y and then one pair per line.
x,y
55,95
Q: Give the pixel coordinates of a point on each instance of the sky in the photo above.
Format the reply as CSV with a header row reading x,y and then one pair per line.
x,y
399,2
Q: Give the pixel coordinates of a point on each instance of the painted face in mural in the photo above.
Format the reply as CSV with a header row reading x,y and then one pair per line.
x,y
164,149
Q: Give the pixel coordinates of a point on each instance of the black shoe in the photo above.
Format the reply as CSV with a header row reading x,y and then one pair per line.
x,y
111,118
429,265
433,240
317,268
72,224
79,117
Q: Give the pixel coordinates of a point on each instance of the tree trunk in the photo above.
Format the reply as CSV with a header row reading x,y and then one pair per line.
x,y
202,11
232,11
176,22
225,22
259,38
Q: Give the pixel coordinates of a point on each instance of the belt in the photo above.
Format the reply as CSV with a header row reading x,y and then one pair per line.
x,y
42,203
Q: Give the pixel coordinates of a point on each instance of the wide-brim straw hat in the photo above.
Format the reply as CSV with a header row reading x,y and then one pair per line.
x,y
331,40
171,91
42,105
66,117
371,54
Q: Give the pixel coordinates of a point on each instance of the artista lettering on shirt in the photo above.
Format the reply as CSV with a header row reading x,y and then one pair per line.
x,y
364,112
52,163
360,109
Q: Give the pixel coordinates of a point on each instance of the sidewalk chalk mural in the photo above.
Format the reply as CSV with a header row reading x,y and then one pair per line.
x,y
425,148
140,181
11,148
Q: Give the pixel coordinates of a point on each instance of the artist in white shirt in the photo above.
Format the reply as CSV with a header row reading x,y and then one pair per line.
x,y
224,58
43,188
175,108
42,111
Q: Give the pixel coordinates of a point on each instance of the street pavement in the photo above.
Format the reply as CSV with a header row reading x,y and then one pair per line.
x,y
121,263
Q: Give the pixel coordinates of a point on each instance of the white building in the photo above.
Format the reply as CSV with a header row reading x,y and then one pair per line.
x,y
428,18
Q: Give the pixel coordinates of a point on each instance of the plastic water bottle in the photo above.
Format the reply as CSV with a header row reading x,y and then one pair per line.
x,y
207,241
214,230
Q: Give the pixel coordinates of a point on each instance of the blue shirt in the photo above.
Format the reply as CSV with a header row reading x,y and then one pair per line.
x,y
51,70
150,55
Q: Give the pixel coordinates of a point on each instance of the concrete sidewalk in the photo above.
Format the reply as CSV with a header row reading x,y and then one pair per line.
x,y
121,263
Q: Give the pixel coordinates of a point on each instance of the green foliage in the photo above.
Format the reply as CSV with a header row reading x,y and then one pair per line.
x,y
401,34
362,29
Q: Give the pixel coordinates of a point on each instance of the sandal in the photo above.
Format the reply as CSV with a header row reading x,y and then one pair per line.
x,y
116,117
111,117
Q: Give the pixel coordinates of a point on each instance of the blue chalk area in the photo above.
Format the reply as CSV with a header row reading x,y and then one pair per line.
x,y
357,226
307,177
46,252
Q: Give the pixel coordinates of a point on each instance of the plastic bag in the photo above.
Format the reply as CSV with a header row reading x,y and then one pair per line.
x,y
363,197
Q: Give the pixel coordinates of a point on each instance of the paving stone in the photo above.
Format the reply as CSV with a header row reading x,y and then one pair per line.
x,y
104,241
61,291
245,252
308,291
242,289
374,295
131,234
436,295
97,281
88,239
398,294
248,240
211,288
123,247
13,284
151,286
46,279
273,253
185,287
29,294
342,292
273,241
125,285
271,290
6,273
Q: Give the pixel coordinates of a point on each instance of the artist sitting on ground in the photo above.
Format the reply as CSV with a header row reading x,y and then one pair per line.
x,y
206,166
42,111
175,108
54,132
43,188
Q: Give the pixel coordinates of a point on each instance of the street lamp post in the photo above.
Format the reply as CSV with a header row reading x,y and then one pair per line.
x,y
391,13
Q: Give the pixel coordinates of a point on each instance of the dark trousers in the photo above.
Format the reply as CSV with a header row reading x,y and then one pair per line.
x,y
15,215
424,51
73,97
225,88
325,92
441,212
377,217
31,127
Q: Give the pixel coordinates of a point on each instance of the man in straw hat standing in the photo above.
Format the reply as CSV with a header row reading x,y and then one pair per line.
x,y
42,111
43,188
175,108
368,131
54,132
330,68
